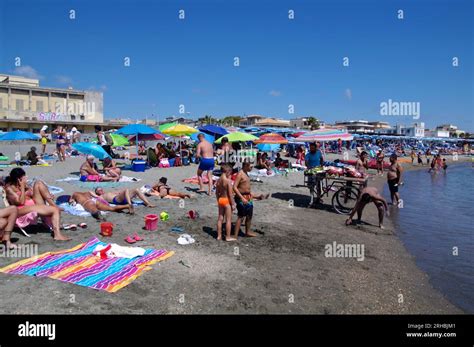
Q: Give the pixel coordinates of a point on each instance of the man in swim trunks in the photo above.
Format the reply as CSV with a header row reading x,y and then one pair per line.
x,y
162,190
225,203
205,153
244,200
94,204
368,195
90,174
122,197
394,177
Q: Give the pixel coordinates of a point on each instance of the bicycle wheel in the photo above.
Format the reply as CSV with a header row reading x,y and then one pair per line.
x,y
344,200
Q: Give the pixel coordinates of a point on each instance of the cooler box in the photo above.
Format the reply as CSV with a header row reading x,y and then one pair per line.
x,y
139,165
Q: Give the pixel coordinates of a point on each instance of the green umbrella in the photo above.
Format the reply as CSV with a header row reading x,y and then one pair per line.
x,y
119,140
237,137
165,126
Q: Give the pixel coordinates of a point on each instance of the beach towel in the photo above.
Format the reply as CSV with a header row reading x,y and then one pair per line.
x,y
194,179
261,173
76,178
79,265
76,210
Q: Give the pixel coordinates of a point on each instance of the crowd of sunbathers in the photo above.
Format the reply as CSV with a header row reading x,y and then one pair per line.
x,y
26,202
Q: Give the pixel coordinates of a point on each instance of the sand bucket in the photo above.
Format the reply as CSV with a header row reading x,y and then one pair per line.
x,y
106,229
151,222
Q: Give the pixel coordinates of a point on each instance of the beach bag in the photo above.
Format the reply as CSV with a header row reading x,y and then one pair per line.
x,y
164,163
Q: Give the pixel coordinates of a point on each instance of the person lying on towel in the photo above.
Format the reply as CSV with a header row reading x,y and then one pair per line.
x,y
163,190
122,197
89,172
93,204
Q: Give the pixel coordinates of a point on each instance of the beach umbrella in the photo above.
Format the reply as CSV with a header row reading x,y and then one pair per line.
x,y
165,126
325,135
237,137
209,138
147,137
90,148
271,138
232,129
119,140
214,130
180,130
18,135
136,129
268,147
299,133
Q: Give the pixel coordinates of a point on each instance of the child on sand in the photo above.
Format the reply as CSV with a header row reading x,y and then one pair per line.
x,y
225,203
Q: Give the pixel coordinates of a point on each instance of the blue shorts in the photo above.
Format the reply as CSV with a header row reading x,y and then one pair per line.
x,y
206,164
115,202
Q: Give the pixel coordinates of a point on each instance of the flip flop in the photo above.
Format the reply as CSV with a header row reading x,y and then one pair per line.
x,y
69,226
137,237
129,239
83,225
177,229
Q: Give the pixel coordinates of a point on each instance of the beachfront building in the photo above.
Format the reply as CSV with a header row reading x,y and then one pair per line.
x,y
25,105
355,126
305,122
415,130
437,133
250,120
272,123
451,129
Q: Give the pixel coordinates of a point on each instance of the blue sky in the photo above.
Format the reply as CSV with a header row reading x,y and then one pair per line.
x,y
282,61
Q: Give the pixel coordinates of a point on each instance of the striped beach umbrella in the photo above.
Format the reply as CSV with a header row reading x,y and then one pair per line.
x,y
325,135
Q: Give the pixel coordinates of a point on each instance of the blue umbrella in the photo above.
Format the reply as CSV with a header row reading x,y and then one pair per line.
x,y
18,135
268,147
137,129
214,130
134,129
92,149
208,137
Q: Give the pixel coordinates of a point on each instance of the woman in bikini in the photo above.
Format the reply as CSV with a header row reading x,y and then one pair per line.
x,y
162,190
93,204
90,174
380,157
31,202
60,142
111,168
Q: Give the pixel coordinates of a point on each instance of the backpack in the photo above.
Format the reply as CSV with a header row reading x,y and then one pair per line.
x,y
109,139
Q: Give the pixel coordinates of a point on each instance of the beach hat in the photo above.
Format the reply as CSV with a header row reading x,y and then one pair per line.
x,y
44,128
74,129
89,157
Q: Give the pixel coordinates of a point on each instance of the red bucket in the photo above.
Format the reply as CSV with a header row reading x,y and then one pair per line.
x,y
151,222
106,229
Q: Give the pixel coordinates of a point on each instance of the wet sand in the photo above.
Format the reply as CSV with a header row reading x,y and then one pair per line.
x,y
283,270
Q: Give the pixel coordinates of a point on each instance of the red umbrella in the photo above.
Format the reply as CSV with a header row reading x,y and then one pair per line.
x,y
271,138
146,137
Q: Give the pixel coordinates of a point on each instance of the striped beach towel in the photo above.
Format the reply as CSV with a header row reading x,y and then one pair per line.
x,y
79,266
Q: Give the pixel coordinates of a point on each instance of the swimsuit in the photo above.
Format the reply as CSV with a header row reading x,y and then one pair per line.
x,y
29,218
223,202
206,164
115,202
244,210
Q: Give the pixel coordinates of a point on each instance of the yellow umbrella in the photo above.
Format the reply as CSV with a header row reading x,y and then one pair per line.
x,y
180,130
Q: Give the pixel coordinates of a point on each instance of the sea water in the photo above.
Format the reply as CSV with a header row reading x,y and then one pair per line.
x,y
436,224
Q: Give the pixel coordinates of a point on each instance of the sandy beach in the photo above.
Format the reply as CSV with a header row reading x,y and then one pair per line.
x,y
283,270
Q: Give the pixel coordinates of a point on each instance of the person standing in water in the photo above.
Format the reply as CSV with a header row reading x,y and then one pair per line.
x,y
394,176
205,153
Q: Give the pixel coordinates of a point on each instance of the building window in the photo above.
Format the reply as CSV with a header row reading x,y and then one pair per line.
x,y
19,105
83,118
39,106
73,117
